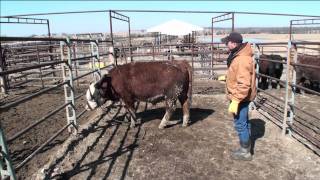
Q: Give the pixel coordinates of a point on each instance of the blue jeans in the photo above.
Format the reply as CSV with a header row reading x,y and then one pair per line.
x,y
242,124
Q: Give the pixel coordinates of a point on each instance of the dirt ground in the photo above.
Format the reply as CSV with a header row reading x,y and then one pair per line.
x,y
105,148
306,121
19,117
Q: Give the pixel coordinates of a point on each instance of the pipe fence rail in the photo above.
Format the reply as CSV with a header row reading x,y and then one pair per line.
x,y
203,56
298,122
41,65
67,65
302,22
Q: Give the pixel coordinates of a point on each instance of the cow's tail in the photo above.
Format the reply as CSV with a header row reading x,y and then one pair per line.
x,y
189,68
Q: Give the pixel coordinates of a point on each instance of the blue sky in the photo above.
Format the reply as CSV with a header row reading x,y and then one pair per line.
x,y
99,22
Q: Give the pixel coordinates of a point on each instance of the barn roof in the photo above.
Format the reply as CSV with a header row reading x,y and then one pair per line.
x,y
175,27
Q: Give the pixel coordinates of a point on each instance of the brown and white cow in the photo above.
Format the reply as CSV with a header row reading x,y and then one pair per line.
x,y
308,77
145,81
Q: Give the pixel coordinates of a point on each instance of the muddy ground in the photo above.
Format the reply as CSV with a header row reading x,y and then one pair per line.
x,y
105,148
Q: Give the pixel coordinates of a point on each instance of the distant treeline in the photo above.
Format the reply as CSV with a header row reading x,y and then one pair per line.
x,y
206,31
271,30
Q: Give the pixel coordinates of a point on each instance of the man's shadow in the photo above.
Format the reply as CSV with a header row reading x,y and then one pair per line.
x,y
257,131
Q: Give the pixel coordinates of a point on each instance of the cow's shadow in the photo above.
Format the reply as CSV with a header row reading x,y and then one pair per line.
x,y
196,115
123,150
257,131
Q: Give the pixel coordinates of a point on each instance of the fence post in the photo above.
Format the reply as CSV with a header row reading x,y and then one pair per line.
x,y
95,60
6,168
293,89
111,56
192,63
256,60
68,88
256,57
40,69
211,72
285,113
121,51
125,55
170,54
153,52
76,63
3,64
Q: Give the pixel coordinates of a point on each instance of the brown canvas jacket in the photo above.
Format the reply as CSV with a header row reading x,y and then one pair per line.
x,y
241,77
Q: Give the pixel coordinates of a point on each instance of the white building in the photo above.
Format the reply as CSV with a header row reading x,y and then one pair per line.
x,y
175,28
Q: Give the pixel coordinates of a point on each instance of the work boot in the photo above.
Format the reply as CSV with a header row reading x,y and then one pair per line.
x,y
243,153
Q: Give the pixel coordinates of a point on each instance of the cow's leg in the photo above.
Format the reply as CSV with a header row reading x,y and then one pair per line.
x,y
269,84
129,104
307,84
264,83
278,76
278,85
127,116
169,110
301,83
270,72
133,117
259,82
274,84
138,120
317,86
185,103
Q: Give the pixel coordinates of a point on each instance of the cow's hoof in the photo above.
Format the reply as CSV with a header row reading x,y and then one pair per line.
x,y
132,125
139,121
162,126
184,124
127,118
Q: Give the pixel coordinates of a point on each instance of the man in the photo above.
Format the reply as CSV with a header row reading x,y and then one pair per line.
x,y
240,90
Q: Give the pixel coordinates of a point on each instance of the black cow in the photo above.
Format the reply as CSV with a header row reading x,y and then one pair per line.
x,y
145,81
273,69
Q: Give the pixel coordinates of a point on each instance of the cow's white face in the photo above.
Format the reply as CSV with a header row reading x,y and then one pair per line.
x,y
94,98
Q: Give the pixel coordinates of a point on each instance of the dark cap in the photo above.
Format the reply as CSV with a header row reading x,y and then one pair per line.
x,y
233,37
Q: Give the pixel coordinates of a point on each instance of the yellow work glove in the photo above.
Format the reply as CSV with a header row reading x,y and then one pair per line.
x,y
222,78
233,107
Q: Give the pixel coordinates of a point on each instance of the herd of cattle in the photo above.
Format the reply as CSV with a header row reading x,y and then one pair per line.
x,y
308,77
